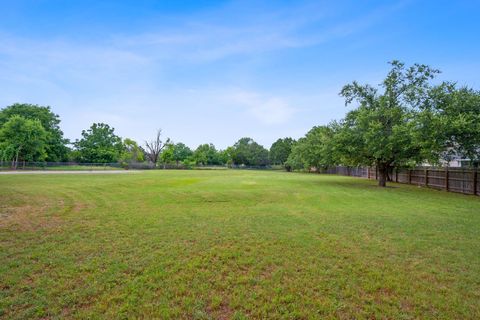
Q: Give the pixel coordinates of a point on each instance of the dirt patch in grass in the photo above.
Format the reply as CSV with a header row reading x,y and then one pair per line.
x,y
220,310
225,312
34,217
28,218
37,215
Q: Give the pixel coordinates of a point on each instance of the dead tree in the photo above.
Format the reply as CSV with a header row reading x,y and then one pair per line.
x,y
154,147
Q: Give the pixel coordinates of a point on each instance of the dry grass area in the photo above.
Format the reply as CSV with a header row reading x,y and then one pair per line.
x,y
225,244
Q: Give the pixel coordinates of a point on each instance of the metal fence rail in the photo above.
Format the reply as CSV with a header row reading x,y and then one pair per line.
x,y
6,165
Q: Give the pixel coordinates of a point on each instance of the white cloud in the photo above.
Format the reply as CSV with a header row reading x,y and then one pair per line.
x,y
268,110
208,40
120,55
136,82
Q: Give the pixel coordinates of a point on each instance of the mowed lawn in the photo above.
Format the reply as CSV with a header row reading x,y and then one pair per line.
x,y
226,244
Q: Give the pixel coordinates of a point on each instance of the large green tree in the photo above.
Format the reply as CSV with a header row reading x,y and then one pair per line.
x,y
131,152
99,144
225,156
168,154
451,123
55,146
381,130
206,154
181,152
23,140
248,152
315,150
280,150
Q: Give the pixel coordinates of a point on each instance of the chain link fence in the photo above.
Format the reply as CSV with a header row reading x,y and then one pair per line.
x,y
66,166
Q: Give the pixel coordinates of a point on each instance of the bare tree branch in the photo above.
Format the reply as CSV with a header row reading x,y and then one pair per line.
x,y
154,147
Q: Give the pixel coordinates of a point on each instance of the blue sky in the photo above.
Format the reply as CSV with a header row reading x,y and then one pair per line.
x,y
216,71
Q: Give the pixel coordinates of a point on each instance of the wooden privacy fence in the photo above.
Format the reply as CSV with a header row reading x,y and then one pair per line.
x,y
462,180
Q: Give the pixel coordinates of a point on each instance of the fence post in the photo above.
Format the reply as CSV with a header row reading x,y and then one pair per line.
x,y
409,176
396,174
475,181
426,177
446,178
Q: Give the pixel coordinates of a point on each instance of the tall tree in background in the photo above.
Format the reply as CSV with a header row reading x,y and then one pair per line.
x,y
23,140
167,155
131,152
280,150
55,144
206,154
381,130
181,152
316,150
247,152
451,123
154,147
99,144
225,156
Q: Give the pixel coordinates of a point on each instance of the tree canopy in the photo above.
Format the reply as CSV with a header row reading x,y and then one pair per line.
x,y
315,150
280,150
55,143
99,144
381,130
181,152
131,152
405,122
206,154
452,119
22,140
247,152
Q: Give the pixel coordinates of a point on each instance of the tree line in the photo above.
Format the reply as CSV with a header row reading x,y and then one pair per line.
x,y
405,121
31,133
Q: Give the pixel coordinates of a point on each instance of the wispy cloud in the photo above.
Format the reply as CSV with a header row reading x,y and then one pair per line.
x,y
205,41
269,110
126,78
183,42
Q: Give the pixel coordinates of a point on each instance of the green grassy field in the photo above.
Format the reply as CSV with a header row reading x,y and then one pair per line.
x,y
226,244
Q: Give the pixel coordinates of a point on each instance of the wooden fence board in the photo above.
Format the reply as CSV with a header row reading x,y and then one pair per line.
x,y
461,180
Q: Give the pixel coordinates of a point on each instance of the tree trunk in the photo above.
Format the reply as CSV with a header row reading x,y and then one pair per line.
x,y
382,175
16,161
